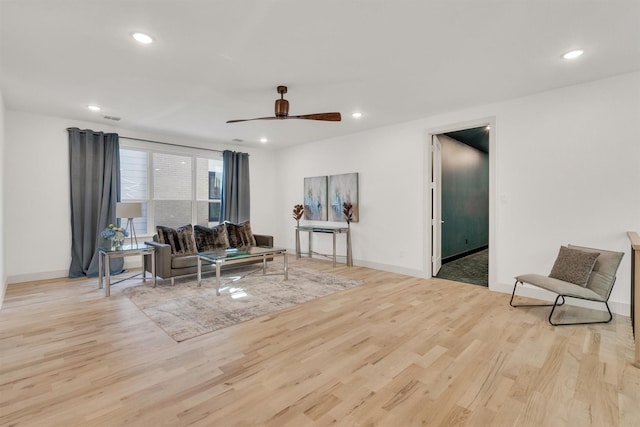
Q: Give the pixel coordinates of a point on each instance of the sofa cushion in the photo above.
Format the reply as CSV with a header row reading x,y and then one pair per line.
x,y
240,234
180,239
604,270
211,239
573,265
184,261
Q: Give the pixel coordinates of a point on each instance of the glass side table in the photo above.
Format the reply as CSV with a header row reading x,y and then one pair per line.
x,y
104,263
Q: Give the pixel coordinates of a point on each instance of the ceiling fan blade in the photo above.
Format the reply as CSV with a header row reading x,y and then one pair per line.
x,y
282,112
257,118
328,117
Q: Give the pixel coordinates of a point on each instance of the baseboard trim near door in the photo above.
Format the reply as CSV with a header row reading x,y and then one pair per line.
x,y
464,254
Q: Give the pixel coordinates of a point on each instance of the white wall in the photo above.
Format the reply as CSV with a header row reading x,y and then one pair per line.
x,y
37,211
3,272
565,170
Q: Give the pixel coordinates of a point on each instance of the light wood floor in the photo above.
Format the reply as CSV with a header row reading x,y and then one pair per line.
x,y
397,351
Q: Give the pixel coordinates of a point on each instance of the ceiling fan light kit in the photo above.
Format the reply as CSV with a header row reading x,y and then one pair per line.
x,y
282,112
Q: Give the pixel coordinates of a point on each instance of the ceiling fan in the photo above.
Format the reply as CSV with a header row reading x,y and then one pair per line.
x,y
282,112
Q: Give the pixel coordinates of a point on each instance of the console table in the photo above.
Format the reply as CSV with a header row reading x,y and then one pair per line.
x,y
325,229
104,263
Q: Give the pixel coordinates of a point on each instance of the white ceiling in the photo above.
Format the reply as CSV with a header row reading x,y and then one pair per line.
x,y
394,60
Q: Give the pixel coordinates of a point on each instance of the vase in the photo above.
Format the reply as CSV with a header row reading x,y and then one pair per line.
x,y
297,239
117,243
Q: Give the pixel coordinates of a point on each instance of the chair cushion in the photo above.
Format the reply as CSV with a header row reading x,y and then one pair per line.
x,y
211,239
180,239
240,234
560,287
603,275
573,265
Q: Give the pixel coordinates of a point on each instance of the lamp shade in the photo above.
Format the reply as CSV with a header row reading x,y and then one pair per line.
x,y
129,210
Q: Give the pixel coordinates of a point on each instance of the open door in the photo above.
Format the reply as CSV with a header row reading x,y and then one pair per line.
x,y
436,205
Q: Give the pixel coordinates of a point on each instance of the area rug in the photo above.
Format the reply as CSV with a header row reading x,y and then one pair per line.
x,y
185,310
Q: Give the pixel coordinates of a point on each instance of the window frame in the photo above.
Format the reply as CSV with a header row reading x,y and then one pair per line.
x,y
169,149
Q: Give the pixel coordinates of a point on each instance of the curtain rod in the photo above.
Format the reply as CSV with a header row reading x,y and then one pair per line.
x,y
169,143
158,142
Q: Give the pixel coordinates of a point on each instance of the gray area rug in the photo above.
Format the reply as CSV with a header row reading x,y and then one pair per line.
x,y
185,310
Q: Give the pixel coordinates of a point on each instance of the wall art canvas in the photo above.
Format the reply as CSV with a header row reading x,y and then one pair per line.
x,y
315,198
343,188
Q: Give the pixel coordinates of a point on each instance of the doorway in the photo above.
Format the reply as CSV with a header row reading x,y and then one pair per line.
x,y
460,193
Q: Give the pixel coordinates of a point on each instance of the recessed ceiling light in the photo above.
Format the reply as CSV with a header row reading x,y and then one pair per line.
x,y
573,54
93,107
488,127
356,115
264,140
142,38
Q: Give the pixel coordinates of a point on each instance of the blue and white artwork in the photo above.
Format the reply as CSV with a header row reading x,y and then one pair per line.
x,y
315,198
343,188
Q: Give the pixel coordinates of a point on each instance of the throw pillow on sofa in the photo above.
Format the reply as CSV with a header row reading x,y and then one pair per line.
x,y
211,239
240,234
180,239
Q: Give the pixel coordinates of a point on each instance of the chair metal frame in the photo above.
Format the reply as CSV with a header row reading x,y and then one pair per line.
x,y
563,296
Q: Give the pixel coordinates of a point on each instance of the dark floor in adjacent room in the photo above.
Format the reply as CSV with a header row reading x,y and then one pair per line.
x,y
472,269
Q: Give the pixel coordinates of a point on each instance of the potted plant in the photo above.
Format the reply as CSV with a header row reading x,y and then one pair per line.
x,y
115,234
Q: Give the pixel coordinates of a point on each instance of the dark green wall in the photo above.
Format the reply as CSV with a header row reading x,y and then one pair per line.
x,y
465,197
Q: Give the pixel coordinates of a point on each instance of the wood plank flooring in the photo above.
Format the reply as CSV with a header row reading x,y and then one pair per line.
x,y
396,351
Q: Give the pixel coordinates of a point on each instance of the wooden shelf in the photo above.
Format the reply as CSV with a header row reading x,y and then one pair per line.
x,y
635,290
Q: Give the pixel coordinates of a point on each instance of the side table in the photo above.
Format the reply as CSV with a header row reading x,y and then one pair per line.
x,y
104,263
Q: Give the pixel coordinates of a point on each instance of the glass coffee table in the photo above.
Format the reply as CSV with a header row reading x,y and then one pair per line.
x,y
238,255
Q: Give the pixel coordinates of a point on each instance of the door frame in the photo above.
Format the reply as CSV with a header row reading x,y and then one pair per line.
x,y
493,195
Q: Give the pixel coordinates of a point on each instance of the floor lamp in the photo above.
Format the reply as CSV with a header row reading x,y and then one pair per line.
x,y
129,210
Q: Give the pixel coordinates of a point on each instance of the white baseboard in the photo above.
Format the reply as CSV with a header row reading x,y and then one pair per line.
x,y
32,277
373,265
129,263
391,268
617,307
3,291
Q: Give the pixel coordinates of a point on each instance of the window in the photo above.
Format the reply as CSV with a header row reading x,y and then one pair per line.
x,y
175,187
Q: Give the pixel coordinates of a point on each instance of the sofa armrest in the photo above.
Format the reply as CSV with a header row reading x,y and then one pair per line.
x,y
263,240
162,252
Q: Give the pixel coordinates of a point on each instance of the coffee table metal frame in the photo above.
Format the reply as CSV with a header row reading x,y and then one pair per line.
x,y
235,256
104,263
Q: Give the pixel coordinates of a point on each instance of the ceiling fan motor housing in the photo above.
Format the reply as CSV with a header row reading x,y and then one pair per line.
x,y
282,108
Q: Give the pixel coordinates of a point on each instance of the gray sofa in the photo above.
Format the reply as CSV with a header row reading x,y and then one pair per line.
x,y
171,265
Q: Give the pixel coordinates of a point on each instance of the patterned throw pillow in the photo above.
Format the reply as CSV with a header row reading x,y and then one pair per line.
x,y
240,234
180,239
211,239
574,266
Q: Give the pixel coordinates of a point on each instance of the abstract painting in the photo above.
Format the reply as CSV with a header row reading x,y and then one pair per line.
x,y
343,188
315,198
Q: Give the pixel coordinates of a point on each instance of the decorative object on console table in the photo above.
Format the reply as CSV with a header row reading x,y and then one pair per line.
x,y
129,210
347,210
115,234
298,210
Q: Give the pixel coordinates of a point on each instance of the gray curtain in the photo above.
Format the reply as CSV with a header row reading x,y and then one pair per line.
x,y
94,164
235,187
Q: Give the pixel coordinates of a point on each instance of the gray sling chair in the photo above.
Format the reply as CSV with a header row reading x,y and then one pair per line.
x,y
596,285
